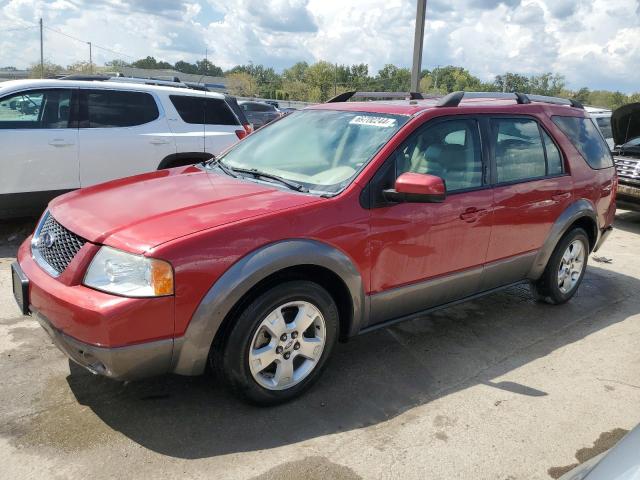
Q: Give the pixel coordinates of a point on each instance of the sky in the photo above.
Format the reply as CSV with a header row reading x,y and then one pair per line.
x,y
593,43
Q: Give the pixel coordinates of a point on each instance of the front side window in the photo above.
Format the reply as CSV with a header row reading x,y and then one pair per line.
x,y
114,108
450,150
321,149
36,109
518,150
202,110
584,135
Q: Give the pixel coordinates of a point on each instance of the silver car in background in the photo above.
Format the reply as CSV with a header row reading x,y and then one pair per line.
x,y
259,113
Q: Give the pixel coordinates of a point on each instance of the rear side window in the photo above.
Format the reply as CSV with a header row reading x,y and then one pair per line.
x,y
519,151
113,108
36,109
201,110
587,139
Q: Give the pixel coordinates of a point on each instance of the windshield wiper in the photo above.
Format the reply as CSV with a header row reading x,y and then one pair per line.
x,y
217,162
259,174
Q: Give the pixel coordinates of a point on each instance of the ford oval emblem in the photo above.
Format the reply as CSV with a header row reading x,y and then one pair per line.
x,y
48,239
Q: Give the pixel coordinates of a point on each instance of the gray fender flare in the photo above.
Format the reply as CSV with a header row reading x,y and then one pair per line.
x,y
575,211
191,350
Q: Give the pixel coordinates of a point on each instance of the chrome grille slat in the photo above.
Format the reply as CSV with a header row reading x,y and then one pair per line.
x,y
628,167
63,249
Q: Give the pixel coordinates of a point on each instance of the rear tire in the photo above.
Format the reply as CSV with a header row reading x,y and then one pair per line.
x,y
279,344
565,270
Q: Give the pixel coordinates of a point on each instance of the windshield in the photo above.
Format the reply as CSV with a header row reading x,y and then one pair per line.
x,y
323,150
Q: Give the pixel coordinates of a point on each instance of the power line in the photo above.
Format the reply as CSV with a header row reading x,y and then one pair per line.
x,y
85,42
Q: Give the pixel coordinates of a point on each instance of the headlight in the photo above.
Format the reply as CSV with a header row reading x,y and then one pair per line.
x,y
123,273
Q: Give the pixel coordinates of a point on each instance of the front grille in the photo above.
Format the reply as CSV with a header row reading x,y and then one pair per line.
x,y
628,167
55,246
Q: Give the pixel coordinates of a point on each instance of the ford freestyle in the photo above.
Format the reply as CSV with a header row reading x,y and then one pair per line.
x,y
329,222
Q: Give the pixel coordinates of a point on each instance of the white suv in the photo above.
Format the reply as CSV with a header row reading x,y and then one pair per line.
x,y
60,135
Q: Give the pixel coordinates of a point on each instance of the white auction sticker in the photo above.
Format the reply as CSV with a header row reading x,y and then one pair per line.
x,y
383,122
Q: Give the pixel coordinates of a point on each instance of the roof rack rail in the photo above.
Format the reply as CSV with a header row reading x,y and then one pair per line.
x,y
453,99
343,97
82,76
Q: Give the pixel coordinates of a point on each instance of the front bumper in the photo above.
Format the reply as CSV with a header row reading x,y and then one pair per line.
x,y
121,363
628,194
118,337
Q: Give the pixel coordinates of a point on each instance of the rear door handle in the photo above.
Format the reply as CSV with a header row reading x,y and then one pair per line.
x,y
559,196
159,141
60,142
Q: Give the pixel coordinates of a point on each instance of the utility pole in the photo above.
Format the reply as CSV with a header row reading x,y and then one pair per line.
x,y
335,80
41,53
90,59
417,45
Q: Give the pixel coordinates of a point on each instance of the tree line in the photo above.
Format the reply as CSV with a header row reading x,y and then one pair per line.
x,y
319,81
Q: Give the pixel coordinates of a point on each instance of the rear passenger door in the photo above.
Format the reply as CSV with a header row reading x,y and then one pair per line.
x,y
531,190
121,133
202,124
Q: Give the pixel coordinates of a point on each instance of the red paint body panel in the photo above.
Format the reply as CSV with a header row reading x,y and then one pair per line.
x,y
203,223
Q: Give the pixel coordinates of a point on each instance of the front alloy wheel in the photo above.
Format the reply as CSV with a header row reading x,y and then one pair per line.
x,y
279,343
287,345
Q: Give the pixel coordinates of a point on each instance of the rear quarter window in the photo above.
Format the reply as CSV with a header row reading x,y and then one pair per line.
x,y
587,139
202,110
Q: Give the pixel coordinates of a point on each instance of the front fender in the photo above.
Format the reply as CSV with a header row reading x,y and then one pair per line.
x,y
578,209
191,350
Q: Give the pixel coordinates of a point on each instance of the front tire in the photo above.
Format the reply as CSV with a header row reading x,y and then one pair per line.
x,y
279,343
565,270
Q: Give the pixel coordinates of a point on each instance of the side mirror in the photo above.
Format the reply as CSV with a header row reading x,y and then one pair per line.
x,y
417,188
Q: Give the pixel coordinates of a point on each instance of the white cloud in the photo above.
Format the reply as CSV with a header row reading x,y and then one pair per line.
x,y
591,42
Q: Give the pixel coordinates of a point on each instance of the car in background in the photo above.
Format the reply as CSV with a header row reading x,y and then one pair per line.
x,y
622,462
273,102
259,113
602,118
625,123
60,135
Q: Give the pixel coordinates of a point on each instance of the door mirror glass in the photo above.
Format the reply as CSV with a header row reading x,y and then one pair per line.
x,y
417,188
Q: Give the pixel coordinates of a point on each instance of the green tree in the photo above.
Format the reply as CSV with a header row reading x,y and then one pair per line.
x,y
185,67
116,63
151,63
393,79
205,67
50,70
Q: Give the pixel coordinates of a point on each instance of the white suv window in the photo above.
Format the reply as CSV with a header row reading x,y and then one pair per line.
x,y
36,109
115,108
202,110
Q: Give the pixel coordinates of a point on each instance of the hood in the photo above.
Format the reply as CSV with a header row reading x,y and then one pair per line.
x,y
138,213
625,123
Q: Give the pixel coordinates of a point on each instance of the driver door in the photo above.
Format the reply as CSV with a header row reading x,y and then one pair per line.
x,y
427,254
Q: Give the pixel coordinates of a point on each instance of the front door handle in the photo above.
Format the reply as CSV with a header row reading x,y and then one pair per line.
x,y
159,141
559,196
60,142
471,214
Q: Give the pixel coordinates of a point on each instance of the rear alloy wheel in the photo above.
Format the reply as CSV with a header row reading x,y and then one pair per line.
x,y
279,343
565,270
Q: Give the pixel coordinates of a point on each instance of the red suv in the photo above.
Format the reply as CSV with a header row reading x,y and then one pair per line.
x,y
330,222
